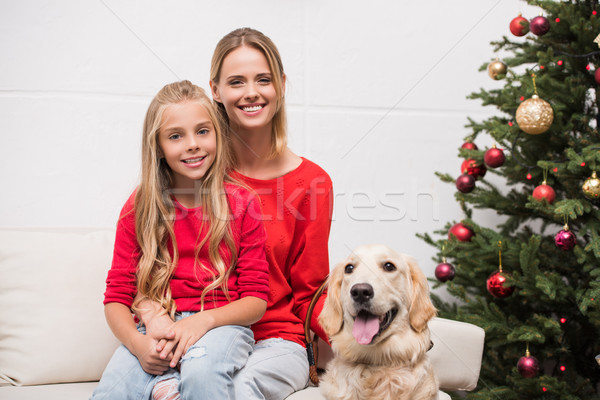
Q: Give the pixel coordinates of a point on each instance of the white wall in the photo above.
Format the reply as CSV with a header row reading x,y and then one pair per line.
x,y
377,96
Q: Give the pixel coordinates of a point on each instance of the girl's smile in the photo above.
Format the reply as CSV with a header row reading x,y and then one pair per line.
x,y
187,141
194,162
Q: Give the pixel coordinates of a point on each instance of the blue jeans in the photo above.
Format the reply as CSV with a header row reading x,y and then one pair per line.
x,y
207,368
276,368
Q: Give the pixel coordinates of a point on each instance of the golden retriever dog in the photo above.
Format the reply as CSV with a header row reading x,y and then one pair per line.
x,y
376,315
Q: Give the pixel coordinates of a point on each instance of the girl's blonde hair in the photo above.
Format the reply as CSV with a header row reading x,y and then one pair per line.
x,y
257,40
155,210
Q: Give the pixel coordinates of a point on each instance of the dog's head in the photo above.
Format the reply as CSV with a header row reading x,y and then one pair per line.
x,y
376,293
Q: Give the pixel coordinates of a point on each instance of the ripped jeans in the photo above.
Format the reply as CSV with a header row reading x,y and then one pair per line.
x,y
206,370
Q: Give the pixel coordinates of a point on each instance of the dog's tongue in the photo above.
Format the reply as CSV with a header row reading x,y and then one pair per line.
x,y
365,327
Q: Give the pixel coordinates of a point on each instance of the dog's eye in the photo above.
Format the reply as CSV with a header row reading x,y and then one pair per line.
x,y
388,266
349,268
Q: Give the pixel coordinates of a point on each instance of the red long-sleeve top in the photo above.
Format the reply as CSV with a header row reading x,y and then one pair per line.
x,y
297,209
250,277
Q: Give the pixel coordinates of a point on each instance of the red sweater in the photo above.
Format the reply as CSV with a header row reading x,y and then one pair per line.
x,y
297,209
250,277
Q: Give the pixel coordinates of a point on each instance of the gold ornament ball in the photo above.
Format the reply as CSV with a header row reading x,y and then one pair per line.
x,y
591,187
496,69
534,115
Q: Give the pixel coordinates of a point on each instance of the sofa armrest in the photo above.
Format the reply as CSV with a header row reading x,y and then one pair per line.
x,y
52,327
456,353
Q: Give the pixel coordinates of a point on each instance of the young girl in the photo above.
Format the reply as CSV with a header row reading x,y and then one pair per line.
x,y
248,87
191,241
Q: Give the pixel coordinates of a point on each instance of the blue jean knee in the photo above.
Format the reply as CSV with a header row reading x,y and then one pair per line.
x,y
125,379
208,367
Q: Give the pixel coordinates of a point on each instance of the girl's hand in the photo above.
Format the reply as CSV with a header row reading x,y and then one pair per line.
x,y
156,320
158,325
144,348
160,328
186,332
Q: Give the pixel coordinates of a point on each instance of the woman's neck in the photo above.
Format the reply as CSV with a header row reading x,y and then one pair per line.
x,y
252,151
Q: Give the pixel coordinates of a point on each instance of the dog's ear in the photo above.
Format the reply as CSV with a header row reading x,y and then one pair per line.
x,y
331,317
421,307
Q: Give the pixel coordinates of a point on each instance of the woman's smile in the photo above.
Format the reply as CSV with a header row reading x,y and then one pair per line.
x,y
246,90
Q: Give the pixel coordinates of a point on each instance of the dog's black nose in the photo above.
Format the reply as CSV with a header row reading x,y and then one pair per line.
x,y
362,292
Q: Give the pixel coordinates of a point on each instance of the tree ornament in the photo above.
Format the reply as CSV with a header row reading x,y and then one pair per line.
x,y
444,271
494,157
495,283
519,26
539,25
597,40
465,183
471,167
469,145
544,191
534,115
497,69
461,232
565,239
597,75
591,188
528,366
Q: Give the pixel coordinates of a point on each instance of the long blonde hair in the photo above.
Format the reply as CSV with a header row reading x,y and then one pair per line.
x,y
155,210
257,40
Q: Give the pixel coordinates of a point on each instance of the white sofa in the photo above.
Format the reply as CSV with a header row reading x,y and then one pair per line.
x,y
54,341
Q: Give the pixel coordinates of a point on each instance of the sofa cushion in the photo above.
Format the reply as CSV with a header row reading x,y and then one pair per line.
x,y
52,326
62,391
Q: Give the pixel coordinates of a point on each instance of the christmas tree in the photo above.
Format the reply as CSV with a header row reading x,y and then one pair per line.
x,y
532,281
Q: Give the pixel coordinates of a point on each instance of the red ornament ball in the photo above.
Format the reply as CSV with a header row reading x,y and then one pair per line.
x,y
528,366
495,285
471,167
461,232
539,25
544,191
465,183
445,272
519,26
494,157
565,239
469,145
597,75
